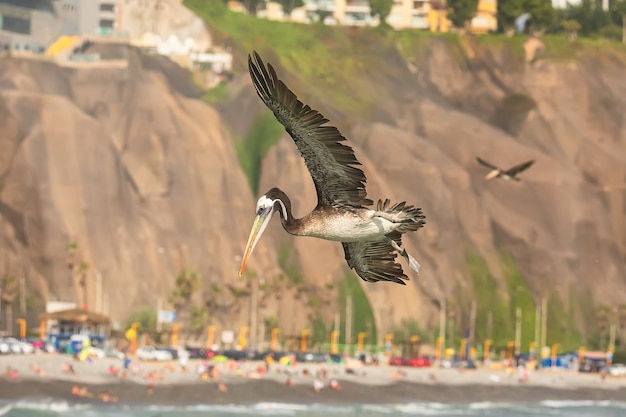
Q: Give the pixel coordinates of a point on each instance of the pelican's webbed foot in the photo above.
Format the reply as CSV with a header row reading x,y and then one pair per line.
x,y
413,264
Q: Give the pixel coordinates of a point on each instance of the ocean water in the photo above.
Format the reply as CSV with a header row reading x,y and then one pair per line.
x,y
541,409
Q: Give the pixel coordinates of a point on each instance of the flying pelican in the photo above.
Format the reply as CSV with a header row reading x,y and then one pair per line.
x,y
509,174
371,238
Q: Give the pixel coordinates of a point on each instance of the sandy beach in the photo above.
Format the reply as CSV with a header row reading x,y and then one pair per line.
x,y
41,376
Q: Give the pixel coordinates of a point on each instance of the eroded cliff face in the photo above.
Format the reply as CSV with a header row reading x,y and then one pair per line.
x,y
145,178
562,225
140,176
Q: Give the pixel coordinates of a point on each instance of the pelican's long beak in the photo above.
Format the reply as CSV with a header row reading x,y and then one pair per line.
x,y
261,221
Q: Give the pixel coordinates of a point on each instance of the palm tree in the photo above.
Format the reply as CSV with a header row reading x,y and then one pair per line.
x,y
9,286
186,285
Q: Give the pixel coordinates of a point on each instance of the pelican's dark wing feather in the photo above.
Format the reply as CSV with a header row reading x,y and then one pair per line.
x,y
519,168
332,165
485,163
374,260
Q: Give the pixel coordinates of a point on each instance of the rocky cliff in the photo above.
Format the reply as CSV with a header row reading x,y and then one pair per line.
x,y
144,177
122,170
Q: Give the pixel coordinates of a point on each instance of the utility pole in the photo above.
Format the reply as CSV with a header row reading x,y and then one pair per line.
x,y
544,322
472,323
537,328
98,292
253,312
489,324
22,284
518,330
159,325
348,325
442,328
106,304
612,331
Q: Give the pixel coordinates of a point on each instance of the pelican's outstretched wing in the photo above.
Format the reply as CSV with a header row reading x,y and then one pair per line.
x,y
332,165
374,261
487,164
519,168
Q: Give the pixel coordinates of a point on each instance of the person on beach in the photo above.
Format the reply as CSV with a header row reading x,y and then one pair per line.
x,y
334,385
84,392
318,384
68,369
37,369
397,375
221,386
105,397
11,372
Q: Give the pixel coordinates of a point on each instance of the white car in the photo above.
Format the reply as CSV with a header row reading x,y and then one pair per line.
x,y
17,346
4,347
150,353
617,369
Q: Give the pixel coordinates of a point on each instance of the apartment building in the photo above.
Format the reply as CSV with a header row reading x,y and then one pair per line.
x,y
485,20
405,14
33,25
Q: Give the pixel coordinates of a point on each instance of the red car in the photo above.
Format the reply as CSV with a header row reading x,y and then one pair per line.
x,y
414,362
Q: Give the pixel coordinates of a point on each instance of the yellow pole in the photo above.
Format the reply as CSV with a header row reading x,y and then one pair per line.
x,y
210,336
42,329
487,347
554,351
174,338
334,335
274,344
360,339
509,349
175,330
22,323
438,349
389,339
463,345
581,355
133,340
242,336
303,336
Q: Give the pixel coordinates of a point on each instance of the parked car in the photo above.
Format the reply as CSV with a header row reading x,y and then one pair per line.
x,y
197,352
150,353
238,355
17,346
617,369
112,352
458,363
5,349
592,365
418,362
314,357
40,345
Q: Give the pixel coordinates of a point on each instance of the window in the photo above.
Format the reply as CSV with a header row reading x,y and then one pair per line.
x,y
107,7
15,24
107,23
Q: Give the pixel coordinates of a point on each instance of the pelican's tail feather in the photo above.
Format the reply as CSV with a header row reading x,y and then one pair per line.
x,y
410,218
